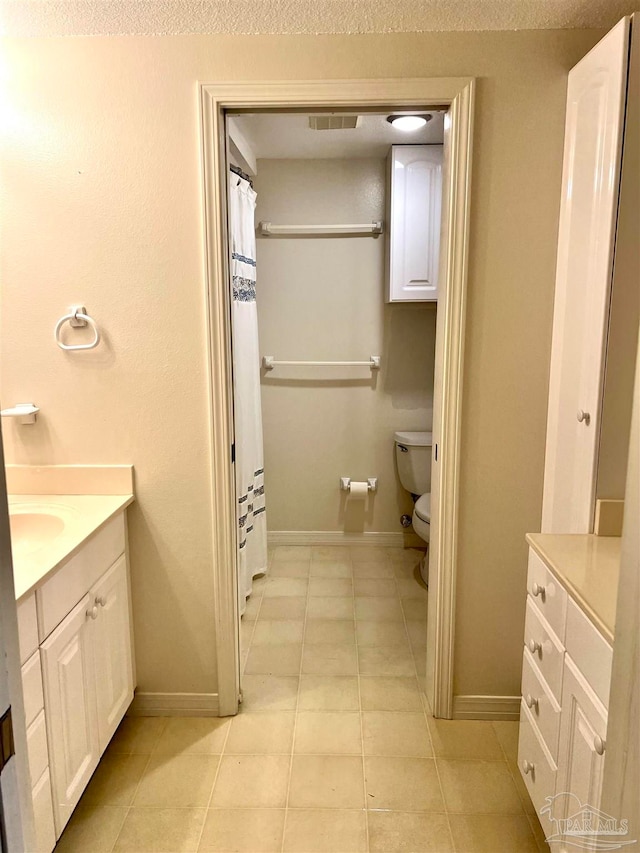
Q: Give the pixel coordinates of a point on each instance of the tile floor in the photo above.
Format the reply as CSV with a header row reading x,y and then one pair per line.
x,y
334,749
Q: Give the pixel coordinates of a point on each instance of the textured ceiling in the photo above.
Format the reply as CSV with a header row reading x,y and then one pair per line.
x,y
168,17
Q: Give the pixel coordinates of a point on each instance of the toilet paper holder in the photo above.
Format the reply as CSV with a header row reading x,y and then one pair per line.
x,y
345,484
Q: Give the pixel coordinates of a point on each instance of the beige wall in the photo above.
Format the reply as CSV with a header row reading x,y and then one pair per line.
x,y
323,299
103,205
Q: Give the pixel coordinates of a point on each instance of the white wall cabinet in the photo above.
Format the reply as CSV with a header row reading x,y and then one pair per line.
x,y
79,683
414,222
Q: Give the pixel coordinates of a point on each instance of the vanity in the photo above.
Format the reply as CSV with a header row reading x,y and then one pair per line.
x,y
572,586
73,601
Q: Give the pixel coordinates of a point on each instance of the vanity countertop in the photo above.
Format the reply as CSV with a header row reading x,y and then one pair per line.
x,y
81,515
588,566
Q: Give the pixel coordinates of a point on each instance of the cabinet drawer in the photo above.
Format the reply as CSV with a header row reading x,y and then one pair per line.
x,y
37,747
590,651
66,587
549,651
43,815
541,776
27,627
545,710
547,594
32,688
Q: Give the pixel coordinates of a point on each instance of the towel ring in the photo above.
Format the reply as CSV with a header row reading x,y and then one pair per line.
x,y
78,318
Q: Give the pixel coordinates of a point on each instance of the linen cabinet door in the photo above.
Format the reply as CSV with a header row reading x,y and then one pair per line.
x,y
581,753
70,702
114,672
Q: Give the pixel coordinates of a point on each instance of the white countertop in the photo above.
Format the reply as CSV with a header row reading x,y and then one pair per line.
x,y
83,516
588,566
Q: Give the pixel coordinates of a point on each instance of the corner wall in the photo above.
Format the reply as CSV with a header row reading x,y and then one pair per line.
x,y
323,299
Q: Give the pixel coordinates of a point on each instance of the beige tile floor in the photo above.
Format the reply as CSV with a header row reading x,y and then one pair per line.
x,y
334,748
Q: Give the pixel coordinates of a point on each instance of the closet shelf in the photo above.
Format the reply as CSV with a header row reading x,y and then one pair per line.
x,y
268,229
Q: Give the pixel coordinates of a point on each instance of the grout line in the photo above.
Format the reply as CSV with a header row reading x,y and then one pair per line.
x,y
295,718
215,777
364,766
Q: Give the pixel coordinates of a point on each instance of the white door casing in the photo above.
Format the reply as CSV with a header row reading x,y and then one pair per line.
x,y
386,95
586,236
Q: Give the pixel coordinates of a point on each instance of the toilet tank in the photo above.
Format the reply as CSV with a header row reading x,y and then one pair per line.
x,y
413,457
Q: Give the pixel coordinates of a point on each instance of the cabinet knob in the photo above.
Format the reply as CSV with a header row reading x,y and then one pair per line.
x,y
100,600
599,745
538,589
583,417
528,767
534,646
92,613
532,701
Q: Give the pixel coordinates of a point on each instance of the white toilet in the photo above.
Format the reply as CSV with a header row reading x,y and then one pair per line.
x,y
413,457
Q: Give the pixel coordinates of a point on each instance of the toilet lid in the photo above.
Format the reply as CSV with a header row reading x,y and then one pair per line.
x,y
423,507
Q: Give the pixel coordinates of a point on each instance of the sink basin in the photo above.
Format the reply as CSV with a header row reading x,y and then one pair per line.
x,y
33,528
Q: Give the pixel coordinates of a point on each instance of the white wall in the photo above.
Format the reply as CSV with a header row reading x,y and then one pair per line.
x,y
323,299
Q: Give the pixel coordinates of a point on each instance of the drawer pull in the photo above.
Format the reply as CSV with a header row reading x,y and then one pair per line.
x,y
532,702
538,589
100,601
528,767
534,646
599,745
92,613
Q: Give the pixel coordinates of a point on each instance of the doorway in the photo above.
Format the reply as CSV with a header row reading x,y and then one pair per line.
x,y
456,97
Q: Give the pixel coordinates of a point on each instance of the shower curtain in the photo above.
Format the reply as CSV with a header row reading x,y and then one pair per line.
x,y
252,525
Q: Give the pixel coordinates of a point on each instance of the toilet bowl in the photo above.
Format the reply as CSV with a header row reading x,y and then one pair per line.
x,y
413,457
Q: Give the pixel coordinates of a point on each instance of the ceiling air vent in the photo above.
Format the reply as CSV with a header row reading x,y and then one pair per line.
x,y
329,122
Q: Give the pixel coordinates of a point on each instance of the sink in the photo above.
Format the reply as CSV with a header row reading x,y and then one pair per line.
x,y
33,528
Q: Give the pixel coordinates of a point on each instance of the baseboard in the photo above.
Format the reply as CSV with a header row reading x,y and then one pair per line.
x,y
339,537
174,705
486,707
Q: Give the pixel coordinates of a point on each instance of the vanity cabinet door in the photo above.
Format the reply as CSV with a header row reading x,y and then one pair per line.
x,y
70,701
114,674
581,752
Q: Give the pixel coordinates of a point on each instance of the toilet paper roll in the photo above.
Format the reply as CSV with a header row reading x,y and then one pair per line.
x,y
358,490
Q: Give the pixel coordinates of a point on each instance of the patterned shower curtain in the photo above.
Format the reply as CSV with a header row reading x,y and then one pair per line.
x,y
252,525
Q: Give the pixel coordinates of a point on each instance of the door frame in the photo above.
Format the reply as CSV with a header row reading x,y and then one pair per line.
x,y
456,94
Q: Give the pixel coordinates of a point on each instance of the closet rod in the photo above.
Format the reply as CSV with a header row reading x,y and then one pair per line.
x,y
267,229
268,362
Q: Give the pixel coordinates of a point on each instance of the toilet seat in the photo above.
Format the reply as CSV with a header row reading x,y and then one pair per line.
x,y
422,507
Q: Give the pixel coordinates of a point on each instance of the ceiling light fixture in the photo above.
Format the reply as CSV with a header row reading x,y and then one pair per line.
x,y
408,123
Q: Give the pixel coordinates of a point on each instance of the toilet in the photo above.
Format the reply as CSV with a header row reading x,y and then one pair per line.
x,y
413,457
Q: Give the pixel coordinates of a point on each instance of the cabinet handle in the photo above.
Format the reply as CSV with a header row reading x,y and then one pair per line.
x,y
101,600
599,745
92,613
531,701
534,646
537,589
583,417
528,767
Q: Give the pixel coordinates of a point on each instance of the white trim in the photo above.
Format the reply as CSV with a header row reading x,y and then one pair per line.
x,y
339,537
174,705
486,707
386,94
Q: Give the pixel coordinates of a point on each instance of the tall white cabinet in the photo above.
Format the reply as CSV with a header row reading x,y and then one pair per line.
x,y
596,96
414,217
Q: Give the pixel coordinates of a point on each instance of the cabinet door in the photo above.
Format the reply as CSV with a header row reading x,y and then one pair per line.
x,y
583,729
70,702
114,679
414,226
590,186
